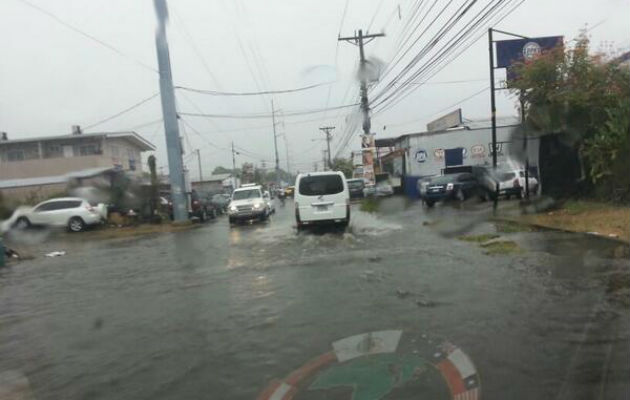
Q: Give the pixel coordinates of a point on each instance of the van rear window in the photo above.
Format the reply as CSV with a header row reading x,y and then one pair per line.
x,y
318,185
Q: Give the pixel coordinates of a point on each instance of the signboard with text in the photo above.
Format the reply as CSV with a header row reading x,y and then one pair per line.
x,y
514,51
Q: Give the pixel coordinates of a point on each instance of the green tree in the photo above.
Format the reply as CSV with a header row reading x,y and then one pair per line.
x,y
585,98
344,165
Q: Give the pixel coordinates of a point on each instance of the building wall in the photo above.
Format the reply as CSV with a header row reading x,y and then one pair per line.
x,y
425,153
122,153
59,157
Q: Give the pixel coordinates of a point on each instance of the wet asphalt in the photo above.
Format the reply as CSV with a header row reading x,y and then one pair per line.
x,y
217,312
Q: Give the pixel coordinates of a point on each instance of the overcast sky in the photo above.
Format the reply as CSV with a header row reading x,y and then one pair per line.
x,y
52,77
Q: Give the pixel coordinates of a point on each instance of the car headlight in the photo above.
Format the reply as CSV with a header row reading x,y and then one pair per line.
x,y
257,205
233,208
449,186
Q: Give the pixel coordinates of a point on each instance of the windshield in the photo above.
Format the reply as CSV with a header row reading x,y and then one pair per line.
x,y
308,200
246,194
317,185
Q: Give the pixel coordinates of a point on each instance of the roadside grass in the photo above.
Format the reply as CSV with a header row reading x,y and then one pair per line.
x,y
138,230
585,216
513,227
478,238
501,247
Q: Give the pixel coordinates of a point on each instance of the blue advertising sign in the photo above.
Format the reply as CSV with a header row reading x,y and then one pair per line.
x,y
514,51
454,157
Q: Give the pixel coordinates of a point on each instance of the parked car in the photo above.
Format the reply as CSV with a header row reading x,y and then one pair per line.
x,y
369,190
248,203
221,202
73,213
457,186
512,183
270,203
322,198
422,185
384,189
355,187
201,207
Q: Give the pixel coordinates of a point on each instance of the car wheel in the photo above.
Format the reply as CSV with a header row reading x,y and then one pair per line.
x,y
429,203
203,215
520,194
507,196
232,220
213,213
76,224
22,223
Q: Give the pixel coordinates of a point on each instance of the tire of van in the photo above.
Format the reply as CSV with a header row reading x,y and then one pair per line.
x,y
429,203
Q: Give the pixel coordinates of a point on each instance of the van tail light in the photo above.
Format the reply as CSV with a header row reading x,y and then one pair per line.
x,y
89,208
516,183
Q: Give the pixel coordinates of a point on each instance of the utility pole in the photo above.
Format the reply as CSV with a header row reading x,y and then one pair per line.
x,y
327,129
199,162
493,105
275,142
234,165
365,104
169,115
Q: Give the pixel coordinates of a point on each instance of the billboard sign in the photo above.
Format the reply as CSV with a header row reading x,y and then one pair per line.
x,y
514,51
368,147
450,120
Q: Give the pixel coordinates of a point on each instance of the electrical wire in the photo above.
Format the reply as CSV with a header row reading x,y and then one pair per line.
x,y
266,115
126,110
87,35
267,92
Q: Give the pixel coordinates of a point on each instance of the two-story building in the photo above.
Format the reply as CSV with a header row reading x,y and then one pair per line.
x,y
44,165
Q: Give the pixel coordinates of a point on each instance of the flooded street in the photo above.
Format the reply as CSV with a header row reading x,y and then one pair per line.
x,y
219,312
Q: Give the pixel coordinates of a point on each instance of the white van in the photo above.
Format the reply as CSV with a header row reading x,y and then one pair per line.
x,y
320,198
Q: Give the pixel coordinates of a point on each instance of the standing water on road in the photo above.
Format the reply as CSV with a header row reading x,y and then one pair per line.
x,y
229,312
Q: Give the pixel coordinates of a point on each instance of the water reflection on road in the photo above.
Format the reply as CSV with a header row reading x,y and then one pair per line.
x,y
219,311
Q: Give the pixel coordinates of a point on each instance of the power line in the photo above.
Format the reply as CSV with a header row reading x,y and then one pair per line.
x,y
266,115
87,35
267,92
444,109
193,45
126,110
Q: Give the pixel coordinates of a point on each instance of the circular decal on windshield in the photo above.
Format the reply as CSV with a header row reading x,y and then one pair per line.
x,y
382,365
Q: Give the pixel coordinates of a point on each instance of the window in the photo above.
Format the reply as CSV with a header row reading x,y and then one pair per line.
x,y
45,207
89,150
53,150
15,155
318,185
246,194
132,165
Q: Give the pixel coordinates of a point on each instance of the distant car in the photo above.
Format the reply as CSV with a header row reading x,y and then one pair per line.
x,y
201,207
369,190
289,191
322,198
220,201
384,189
355,187
457,186
248,203
270,202
512,183
73,213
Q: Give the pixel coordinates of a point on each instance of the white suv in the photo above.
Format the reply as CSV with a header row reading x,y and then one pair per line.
x,y
321,198
248,203
71,212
